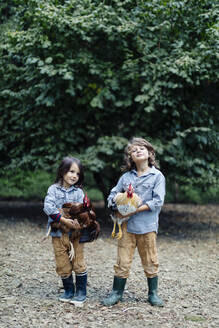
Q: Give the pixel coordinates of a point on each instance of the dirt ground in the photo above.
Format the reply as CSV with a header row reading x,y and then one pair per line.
x,y
188,279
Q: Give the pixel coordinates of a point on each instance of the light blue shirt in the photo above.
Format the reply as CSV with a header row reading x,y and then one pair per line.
x,y
150,187
56,197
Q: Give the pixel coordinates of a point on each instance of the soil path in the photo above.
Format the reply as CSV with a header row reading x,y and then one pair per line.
x,y
188,253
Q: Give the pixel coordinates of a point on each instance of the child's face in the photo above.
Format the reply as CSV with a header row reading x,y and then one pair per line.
x,y
139,154
72,176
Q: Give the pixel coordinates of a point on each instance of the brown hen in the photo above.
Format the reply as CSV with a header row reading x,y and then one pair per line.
x,y
86,217
84,213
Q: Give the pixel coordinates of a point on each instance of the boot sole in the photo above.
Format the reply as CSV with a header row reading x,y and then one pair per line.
x,y
77,303
111,304
64,300
157,305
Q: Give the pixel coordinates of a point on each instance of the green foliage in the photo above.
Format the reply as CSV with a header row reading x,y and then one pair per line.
x,y
7,9
100,159
94,194
195,156
25,185
32,185
191,193
82,77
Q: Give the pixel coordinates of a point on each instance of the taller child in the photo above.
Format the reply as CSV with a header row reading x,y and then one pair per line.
x,y
141,229
66,189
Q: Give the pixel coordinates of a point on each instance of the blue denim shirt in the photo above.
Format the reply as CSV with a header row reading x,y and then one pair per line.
x,y
56,197
151,188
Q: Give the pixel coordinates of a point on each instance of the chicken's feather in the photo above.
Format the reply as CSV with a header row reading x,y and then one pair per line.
x,y
127,203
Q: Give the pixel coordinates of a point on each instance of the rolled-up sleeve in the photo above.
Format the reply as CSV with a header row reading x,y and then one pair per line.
x,y
158,194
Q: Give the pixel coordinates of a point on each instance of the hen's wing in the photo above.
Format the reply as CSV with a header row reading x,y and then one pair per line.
x,y
126,209
127,205
76,208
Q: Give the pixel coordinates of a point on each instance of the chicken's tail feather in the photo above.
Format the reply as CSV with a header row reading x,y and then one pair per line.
x,y
71,252
114,218
47,235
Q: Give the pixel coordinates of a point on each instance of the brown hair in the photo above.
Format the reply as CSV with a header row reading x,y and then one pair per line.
x,y
129,164
65,166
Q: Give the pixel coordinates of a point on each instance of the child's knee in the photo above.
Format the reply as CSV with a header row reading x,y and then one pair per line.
x,y
64,269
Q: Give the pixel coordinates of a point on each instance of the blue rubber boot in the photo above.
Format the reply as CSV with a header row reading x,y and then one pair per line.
x,y
81,290
69,289
116,294
153,298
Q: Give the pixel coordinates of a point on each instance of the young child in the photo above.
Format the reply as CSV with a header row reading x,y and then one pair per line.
x,y
70,176
141,229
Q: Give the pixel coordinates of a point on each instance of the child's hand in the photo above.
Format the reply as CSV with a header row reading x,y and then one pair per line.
x,y
120,216
72,224
76,224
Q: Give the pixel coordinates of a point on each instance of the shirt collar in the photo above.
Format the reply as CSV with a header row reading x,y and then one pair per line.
x,y
66,190
151,171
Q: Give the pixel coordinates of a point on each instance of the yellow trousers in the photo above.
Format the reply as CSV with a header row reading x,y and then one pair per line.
x,y
64,266
147,249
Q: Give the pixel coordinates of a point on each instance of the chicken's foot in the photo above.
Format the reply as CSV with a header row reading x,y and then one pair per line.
x,y
113,234
119,234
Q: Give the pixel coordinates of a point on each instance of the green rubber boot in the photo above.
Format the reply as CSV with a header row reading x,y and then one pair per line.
x,y
153,298
116,294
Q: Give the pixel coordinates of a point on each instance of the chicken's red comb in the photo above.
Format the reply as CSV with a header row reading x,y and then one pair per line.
x,y
130,186
130,191
86,201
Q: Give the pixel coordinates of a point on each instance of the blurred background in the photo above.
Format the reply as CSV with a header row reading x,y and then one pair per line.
x,y
80,78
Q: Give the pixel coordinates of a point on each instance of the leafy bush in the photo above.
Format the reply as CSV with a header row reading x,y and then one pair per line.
x,y
80,75
28,185
33,185
191,194
94,194
7,9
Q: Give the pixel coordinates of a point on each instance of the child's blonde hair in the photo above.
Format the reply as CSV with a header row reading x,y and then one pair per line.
x,y
129,164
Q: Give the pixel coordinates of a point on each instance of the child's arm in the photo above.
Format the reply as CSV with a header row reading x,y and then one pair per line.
x,y
153,204
158,194
141,208
72,224
50,207
114,192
